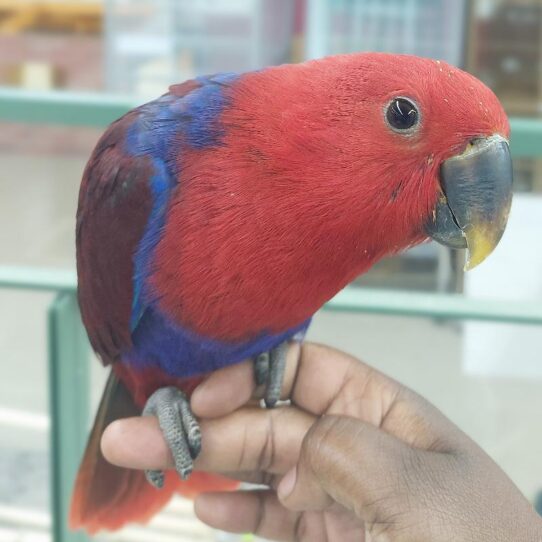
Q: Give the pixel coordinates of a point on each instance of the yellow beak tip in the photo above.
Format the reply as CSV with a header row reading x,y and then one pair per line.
x,y
470,264
481,241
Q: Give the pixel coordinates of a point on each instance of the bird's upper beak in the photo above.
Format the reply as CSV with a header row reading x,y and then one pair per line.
x,y
473,208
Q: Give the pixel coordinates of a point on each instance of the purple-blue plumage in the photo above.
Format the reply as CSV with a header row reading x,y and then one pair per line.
x,y
159,342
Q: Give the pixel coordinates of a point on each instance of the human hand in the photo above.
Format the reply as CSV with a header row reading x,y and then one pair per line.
x,y
355,455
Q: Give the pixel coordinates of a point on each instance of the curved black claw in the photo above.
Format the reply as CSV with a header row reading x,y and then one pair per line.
x,y
180,429
269,369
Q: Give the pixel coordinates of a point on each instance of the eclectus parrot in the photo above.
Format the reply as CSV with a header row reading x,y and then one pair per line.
x,y
214,221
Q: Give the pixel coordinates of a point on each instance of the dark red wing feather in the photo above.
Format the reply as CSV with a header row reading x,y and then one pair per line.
x,y
114,205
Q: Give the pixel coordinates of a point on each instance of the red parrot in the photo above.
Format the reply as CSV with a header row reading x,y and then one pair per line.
x,y
214,221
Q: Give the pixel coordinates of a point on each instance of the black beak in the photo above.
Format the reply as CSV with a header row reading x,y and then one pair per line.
x,y
476,196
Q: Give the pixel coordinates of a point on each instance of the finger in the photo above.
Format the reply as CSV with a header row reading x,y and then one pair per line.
x,y
309,367
224,391
257,512
349,387
136,443
232,387
345,385
261,513
254,439
354,464
250,439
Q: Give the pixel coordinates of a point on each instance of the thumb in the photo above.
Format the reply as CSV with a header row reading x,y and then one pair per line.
x,y
347,461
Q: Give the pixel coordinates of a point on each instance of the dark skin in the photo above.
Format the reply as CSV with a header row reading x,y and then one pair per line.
x,y
355,456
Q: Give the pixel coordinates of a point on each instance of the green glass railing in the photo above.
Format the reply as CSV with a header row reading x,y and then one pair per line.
x,y
67,108
68,346
96,109
351,299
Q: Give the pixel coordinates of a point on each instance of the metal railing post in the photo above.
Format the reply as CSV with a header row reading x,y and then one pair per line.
x,y
69,406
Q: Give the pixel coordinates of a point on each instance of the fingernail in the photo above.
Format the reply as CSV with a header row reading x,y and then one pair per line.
x,y
287,484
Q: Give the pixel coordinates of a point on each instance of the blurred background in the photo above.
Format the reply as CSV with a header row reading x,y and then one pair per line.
x,y
469,343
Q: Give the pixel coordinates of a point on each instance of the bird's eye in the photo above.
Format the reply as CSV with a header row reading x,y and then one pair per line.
x,y
402,114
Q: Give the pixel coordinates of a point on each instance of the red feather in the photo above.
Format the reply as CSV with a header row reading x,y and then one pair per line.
x,y
310,187
114,206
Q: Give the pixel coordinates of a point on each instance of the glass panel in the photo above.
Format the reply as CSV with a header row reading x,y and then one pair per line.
x,y
24,423
504,46
431,28
150,44
39,182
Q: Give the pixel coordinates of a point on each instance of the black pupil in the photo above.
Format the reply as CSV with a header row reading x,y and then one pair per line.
x,y
402,114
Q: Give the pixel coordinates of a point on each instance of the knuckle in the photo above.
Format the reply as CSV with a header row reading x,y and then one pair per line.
x,y
320,441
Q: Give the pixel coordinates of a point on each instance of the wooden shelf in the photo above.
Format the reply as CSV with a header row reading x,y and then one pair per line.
x,y
60,16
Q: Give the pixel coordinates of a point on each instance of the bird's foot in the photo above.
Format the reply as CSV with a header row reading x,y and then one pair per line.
x,y
180,429
269,369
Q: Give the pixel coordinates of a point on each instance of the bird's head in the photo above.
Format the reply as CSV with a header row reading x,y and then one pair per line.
x,y
414,146
435,142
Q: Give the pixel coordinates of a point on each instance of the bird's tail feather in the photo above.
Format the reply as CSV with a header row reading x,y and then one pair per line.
x,y
108,497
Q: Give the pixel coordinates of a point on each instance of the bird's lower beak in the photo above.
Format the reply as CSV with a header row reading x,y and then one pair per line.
x,y
475,202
